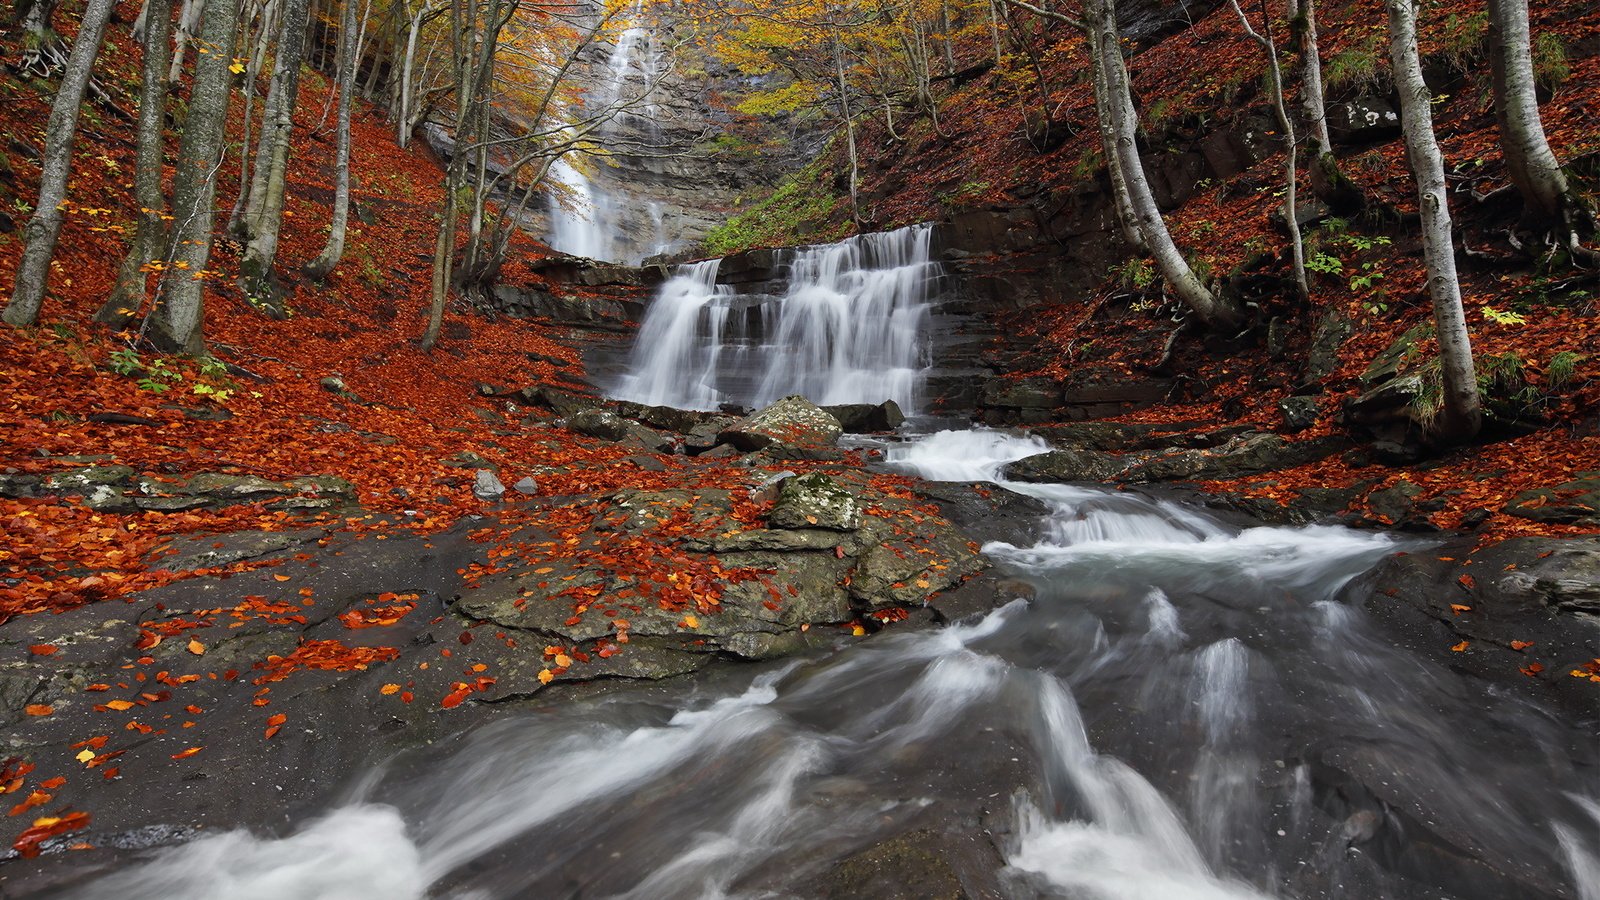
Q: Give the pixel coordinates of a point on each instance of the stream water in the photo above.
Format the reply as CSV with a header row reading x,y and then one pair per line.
x,y
1176,708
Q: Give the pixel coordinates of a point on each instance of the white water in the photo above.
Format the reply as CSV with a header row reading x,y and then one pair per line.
x,y
1165,720
850,327
589,215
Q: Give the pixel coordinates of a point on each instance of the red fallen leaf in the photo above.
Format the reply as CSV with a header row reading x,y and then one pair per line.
x,y
277,719
454,699
42,649
34,798
1531,669
406,697
1467,581
838,553
51,784
27,843
181,754
466,637
39,709
1521,645
271,730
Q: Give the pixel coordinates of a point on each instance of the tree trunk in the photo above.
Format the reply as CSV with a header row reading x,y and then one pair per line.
x,y
1169,261
1291,205
1460,414
150,229
263,216
1126,218
463,25
404,122
33,271
177,324
331,254
1546,195
41,53
849,133
188,17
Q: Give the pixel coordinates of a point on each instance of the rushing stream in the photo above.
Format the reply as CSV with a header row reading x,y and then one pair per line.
x,y
1184,709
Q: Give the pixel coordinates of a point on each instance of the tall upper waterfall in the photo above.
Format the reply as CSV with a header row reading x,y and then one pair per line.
x,y
589,216
850,326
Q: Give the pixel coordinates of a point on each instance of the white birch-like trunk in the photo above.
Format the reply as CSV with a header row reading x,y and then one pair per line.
x,y
1461,415
1291,177
1530,162
44,229
1127,219
339,227
1211,309
188,18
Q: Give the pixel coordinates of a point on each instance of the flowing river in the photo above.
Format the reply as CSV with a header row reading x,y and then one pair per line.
x,y
1169,716
1165,707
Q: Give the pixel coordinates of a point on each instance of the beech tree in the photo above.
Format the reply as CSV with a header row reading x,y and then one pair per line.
x,y
1460,414
1291,146
263,213
348,59
177,323
1549,201
149,231
33,271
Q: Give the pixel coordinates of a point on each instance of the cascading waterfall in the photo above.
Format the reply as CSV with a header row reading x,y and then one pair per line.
x,y
1188,713
587,218
849,327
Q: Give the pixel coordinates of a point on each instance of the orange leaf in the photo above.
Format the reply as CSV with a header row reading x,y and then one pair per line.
x,y
39,709
563,660
1461,646
119,705
183,753
388,689
42,649
1531,669
1458,608
1521,645
196,647
280,578
546,676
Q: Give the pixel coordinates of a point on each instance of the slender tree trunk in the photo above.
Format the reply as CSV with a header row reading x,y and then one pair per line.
x,y
264,212
150,229
1291,205
331,254
463,26
404,121
1546,194
178,320
849,132
1460,416
1169,261
266,25
1127,219
33,271
188,17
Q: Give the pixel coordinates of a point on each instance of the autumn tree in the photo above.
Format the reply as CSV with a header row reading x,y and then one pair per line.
x,y
1291,146
349,58
1549,201
1460,414
263,212
177,323
150,228
44,228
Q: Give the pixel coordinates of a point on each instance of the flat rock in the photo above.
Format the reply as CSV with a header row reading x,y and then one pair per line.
x,y
793,421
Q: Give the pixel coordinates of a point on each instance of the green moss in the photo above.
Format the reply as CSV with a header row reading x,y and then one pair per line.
x,y
800,210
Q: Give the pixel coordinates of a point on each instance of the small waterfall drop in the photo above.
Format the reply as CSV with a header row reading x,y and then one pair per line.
x,y
851,326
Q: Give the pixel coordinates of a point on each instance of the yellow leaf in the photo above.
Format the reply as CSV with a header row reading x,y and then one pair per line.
x,y
85,755
691,622
857,630
196,647
546,676
388,689
563,660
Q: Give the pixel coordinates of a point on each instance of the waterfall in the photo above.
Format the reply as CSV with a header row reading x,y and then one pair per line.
x,y
588,216
849,326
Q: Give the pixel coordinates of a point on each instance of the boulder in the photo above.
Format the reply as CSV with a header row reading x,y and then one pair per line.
x,y
1022,393
791,421
526,486
868,418
1363,121
600,423
1066,465
487,487
1575,502
1244,455
1299,413
815,501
